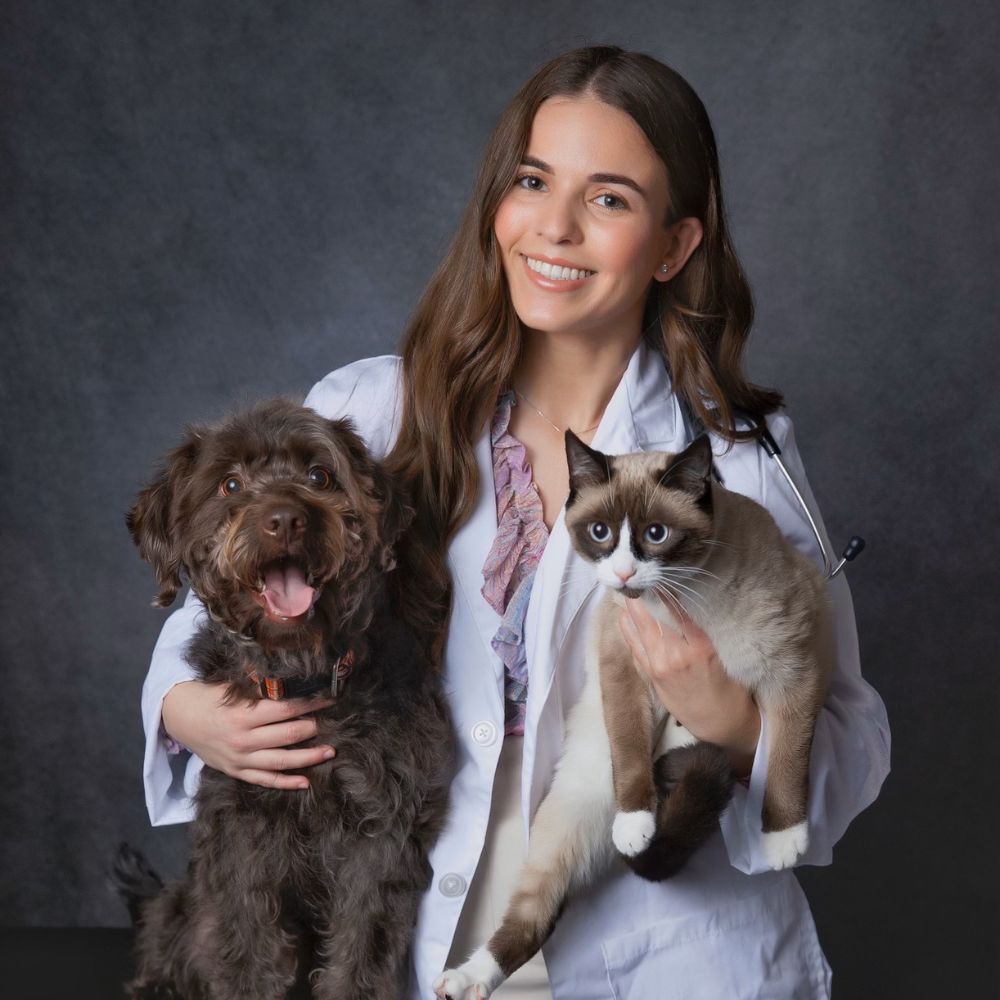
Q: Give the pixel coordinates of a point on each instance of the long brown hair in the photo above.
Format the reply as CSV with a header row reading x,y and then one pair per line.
x,y
464,340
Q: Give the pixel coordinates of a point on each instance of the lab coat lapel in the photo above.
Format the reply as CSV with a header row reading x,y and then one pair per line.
x,y
471,545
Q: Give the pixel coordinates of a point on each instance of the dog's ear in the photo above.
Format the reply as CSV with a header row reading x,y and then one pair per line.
x,y
150,521
397,515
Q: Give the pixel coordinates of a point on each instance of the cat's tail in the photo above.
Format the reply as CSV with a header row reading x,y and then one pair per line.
x,y
134,879
696,783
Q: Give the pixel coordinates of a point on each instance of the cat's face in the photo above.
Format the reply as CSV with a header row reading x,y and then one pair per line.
x,y
640,519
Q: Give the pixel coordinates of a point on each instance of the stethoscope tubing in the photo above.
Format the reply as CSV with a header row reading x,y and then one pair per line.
x,y
771,449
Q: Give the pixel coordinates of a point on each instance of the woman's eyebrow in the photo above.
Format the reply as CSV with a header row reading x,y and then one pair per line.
x,y
533,161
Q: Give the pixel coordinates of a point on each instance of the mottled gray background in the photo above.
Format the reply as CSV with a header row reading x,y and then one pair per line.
x,y
203,201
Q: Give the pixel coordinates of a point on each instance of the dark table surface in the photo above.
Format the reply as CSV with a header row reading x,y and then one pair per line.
x,y
67,963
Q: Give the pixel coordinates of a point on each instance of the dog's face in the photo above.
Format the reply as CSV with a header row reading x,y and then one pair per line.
x,y
274,515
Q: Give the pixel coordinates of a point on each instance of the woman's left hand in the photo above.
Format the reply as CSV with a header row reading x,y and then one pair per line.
x,y
689,680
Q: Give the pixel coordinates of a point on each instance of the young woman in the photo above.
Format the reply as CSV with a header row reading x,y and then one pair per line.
x,y
592,285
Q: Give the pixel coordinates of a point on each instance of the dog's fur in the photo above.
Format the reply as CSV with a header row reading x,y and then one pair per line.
x,y
328,878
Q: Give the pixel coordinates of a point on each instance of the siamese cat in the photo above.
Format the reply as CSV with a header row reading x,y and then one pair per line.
x,y
656,526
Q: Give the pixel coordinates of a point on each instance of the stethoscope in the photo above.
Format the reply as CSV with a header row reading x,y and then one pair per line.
x,y
694,426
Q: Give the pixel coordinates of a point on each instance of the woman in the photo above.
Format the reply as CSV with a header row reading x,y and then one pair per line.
x,y
591,285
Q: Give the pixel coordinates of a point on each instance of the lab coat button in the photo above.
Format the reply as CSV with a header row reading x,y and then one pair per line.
x,y
484,733
452,885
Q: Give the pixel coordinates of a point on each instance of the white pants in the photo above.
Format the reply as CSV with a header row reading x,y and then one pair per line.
x,y
494,881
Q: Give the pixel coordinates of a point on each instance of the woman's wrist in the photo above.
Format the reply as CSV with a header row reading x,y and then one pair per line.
x,y
740,737
743,748
172,712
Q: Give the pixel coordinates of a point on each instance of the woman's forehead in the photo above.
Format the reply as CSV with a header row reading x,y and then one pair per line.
x,y
583,135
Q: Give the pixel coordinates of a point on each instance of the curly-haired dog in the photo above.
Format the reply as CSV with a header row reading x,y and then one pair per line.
x,y
284,527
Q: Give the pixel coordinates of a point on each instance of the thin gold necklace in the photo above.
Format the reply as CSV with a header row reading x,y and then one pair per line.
x,y
552,423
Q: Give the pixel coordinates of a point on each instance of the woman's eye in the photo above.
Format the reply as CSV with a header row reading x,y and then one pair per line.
x,y
656,533
230,485
611,202
599,531
530,182
321,478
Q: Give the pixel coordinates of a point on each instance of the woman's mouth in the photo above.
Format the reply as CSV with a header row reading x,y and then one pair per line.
x,y
555,277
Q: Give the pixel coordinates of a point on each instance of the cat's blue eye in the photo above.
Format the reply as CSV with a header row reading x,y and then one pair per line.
x,y
599,531
656,533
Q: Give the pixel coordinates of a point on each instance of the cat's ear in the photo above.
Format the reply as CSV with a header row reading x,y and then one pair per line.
x,y
587,467
690,469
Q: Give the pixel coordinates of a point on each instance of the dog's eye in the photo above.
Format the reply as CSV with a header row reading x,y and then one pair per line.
x,y
321,478
230,485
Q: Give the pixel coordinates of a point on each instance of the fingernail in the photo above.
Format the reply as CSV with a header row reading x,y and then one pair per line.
x,y
302,786
328,753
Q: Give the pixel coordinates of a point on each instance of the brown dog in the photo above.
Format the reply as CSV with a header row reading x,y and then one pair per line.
x,y
284,526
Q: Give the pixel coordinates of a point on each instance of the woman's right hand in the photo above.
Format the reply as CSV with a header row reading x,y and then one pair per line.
x,y
246,740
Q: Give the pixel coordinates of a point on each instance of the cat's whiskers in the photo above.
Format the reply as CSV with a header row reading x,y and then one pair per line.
x,y
695,571
688,587
681,598
692,595
669,597
720,544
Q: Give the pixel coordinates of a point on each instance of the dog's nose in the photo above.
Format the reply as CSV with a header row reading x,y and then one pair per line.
x,y
285,523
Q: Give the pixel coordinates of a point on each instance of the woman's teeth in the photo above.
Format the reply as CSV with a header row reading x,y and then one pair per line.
x,y
557,273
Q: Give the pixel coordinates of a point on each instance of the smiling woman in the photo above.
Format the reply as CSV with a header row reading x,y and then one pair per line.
x,y
592,279
586,218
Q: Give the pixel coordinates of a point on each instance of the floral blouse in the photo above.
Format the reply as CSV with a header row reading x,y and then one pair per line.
x,y
510,567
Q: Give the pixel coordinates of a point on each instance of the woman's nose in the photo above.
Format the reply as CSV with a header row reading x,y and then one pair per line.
x,y
558,222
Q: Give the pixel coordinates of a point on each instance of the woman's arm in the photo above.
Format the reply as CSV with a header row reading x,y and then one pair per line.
x,y
850,753
689,679
246,741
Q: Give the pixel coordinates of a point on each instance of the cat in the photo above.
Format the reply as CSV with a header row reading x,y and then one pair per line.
x,y
656,526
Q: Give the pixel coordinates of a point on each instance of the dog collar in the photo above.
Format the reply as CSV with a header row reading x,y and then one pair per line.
x,y
332,681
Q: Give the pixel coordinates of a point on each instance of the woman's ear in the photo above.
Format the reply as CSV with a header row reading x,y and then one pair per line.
x,y
683,238
151,519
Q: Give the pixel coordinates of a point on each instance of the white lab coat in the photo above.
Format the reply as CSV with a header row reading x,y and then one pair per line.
x,y
727,927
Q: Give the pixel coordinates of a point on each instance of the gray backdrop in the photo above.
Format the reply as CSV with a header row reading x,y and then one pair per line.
x,y
205,201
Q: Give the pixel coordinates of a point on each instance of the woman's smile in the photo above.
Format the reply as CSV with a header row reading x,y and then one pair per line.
x,y
556,274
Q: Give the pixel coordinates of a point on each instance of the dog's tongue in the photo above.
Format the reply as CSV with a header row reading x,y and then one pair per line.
x,y
286,590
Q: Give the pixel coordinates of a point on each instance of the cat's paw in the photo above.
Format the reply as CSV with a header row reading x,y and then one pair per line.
x,y
782,848
475,980
632,831
453,984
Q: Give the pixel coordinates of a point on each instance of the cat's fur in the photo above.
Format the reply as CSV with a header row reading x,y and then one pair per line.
x,y
764,606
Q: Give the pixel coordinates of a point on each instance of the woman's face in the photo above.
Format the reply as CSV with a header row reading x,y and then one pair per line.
x,y
590,201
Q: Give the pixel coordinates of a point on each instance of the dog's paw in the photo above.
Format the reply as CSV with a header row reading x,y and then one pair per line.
x,y
782,848
632,831
475,980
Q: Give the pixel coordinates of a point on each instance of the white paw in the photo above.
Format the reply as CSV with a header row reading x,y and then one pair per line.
x,y
632,831
475,980
783,847
452,984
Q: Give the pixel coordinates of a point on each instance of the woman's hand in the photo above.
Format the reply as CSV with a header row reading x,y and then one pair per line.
x,y
689,679
246,740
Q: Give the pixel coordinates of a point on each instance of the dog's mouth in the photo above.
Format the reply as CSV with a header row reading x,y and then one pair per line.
x,y
286,591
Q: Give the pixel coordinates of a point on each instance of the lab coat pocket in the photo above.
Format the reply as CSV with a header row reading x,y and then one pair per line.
x,y
761,947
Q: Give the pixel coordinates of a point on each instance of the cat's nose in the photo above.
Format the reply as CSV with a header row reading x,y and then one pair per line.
x,y
625,576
